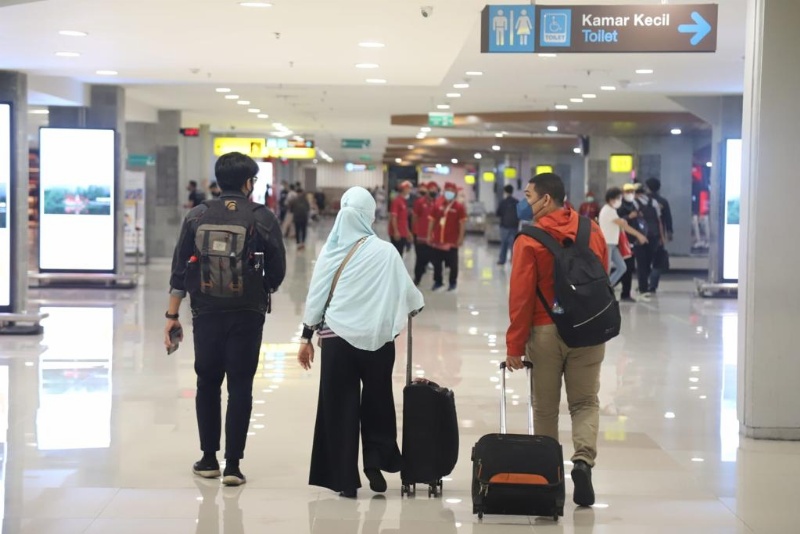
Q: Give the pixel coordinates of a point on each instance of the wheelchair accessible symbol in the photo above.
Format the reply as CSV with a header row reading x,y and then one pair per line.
x,y
556,27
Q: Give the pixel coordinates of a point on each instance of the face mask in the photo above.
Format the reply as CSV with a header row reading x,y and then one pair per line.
x,y
628,197
524,211
589,199
616,204
433,194
449,195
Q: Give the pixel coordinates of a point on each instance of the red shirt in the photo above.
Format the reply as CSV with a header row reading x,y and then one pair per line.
x,y
447,220
422,212
399,212
533,264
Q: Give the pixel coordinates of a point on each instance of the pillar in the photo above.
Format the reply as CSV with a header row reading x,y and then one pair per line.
x,y
14,89
67,117
769,256
207,156
165,193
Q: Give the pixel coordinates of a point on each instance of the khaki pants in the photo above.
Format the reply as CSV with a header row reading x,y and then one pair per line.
x,y
581,370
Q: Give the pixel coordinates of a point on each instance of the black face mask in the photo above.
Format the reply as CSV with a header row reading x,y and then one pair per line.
x,y
433,195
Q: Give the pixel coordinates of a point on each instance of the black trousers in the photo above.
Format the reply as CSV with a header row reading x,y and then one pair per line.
x,y
355,391
423,252
226,345
645,254
627,278
300,230
400,244
442,258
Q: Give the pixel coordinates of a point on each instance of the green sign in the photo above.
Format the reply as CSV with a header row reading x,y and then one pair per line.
x,y
442,120
141,160
357,144
365,157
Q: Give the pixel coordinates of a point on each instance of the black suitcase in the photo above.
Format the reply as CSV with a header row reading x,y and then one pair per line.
x,y
517,474
430,432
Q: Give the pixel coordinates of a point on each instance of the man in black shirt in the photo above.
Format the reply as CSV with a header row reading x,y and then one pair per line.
x,y
196,197
509,223
228,317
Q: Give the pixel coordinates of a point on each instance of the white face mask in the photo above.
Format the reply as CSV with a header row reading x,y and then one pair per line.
x,y
629,197
616,204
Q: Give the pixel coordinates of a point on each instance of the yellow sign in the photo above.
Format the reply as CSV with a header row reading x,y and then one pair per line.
x,y
543,169
488,177
291,153
621,163
257,148
510,173
469,179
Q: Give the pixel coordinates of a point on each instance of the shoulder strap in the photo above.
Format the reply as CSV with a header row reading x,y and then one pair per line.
x,y
340,270
584,232
548,241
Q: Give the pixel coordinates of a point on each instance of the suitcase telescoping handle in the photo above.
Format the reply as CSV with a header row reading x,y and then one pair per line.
x,y
528,369
409,341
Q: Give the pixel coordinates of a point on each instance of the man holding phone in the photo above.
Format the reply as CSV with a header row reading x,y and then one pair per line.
x,y
229,258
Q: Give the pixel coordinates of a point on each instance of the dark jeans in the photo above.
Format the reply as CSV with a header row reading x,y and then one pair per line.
x,y
645,255
400,244
300,230
227,344
423,252
355,392
507,236
627,278
442,258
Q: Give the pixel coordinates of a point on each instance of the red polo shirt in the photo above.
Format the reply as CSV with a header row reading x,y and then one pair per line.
x,y
447,219
422,212
399,211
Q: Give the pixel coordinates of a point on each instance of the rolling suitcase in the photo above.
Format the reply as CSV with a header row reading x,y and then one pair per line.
x,y
430,432
517,474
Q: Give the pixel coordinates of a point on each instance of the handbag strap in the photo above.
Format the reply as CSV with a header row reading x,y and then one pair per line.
x,y
339,272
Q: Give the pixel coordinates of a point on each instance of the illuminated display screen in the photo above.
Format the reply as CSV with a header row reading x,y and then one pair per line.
x,y
730,226
5,207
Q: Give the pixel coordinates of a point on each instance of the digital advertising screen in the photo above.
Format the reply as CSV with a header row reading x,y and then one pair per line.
x,y
76,200
5,207
264,181
732,185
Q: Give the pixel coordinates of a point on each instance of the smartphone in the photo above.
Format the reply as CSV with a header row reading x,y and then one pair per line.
x,y
175,336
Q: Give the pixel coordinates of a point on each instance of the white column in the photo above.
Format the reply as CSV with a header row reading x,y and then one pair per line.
x,y
769,290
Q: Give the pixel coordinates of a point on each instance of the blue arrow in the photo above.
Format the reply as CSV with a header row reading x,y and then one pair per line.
x,y
700,28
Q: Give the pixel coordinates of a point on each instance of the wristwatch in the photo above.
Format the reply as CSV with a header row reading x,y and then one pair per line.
x,y
173,317
305,341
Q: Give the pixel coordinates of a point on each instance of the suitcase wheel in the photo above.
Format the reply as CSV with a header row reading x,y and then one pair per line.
x,y
435,489
408,489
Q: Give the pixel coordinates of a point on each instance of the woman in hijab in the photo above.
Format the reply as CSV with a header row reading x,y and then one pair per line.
x,y
357,323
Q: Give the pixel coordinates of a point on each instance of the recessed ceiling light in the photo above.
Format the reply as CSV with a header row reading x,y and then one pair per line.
x,y
442,141
371,44
548,55
709,164
676,131
411,147
398,160
454,161
68,54
231,97
255,4
376,81
576,100
72,33
367,65
562,106
243,102
478,155
425,129
223,89
495,147
277,125
420,135
499,134
645,71
453,95
552,128
106,73
460,86
589,96
262,116
39,111
443,106
254,110
608,88
474,73
577,150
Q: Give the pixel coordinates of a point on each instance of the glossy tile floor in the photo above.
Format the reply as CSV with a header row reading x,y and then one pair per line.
x,y
101,432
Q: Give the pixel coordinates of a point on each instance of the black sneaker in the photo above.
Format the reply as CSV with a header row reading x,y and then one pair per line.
x,y
582,477
376,481
206,468
233,476
437,287
349,494
452,288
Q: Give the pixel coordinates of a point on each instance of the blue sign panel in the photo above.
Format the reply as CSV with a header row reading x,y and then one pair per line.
x,y
556,28
508,29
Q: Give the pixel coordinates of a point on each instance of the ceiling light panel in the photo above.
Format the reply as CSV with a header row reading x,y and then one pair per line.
x,y
72,33
371,44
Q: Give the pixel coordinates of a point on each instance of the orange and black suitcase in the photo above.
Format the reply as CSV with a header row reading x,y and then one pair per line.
x,y
517,474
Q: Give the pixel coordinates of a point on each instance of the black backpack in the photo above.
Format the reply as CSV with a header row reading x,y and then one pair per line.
x,y
648,220
224,272
586,311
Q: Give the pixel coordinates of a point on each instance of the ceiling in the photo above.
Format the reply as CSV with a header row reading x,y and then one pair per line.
x,y
296,62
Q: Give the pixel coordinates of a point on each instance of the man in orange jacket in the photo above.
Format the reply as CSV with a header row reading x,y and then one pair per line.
x,y
532,333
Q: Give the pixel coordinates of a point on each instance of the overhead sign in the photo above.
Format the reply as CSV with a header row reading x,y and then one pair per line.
x,y
440,169
508,29
602,29
6,261
190,132
357,144
442,120
141,160
265,148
